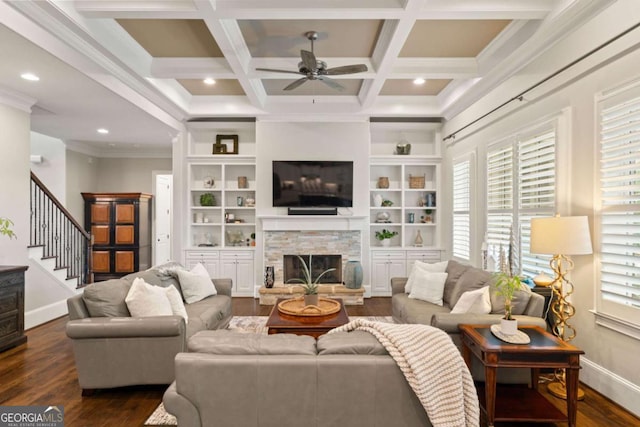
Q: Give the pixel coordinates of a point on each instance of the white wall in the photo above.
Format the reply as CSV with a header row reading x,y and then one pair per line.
x,y
15,179
52,170
312,141
609,364
82,176
128,174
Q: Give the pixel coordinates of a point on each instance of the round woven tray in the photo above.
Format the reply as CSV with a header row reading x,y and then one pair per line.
x,y
296,307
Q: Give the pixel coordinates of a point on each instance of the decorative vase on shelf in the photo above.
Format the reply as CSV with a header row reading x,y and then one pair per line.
x,y
385,242
383,182
377,200
208,182
418,240
353,274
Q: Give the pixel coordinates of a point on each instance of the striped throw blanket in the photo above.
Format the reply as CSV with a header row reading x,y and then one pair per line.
x,y
433,367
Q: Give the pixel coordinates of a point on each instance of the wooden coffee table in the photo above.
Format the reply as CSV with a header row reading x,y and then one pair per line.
x,y
522,404
280,323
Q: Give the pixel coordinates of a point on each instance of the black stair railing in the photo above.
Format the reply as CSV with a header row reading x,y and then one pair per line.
x,y
59,234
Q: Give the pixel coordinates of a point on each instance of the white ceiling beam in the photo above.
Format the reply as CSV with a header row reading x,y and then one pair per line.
x,y
229,38
486,9
191,68
329,9
392,37
141,9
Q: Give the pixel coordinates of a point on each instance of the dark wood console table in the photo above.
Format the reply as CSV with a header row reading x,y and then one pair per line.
x,y
522,404
12,306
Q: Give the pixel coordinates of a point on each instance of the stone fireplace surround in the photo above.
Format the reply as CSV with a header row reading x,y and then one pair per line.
x,y
309,234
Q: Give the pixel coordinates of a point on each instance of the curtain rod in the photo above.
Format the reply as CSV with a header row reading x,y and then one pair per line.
x,y
520,96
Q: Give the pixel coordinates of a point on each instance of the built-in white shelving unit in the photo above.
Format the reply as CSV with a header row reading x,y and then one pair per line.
x,y
411,197
220,236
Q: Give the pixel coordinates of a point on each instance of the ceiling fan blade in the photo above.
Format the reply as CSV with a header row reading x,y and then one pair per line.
x,y
345,69
309,60
278,71
295,84
332,84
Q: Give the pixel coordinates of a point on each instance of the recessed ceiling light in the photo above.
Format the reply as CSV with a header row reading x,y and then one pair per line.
x,y
419,81
30,76
103,131
209,81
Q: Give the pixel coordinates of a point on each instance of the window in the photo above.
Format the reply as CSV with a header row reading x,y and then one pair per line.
x,y
521,184
620,200
461,207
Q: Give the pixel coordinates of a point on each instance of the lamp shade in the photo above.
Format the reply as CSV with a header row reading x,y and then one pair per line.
x,y
560,235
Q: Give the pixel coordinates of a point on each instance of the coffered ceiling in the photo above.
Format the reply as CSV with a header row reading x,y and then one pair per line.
x,y
162,51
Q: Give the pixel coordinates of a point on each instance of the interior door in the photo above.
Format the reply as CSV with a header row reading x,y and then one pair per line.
x,y
162,241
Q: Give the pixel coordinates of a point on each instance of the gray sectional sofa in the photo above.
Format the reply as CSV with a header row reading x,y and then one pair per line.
x,y
529,307
237,379
113,349
529,310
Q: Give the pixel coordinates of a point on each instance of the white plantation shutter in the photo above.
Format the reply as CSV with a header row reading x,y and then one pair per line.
x,y
461,206
537,172
620,196
521,184
499,196
536,191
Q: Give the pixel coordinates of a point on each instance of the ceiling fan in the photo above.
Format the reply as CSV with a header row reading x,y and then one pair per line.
x,y
313,69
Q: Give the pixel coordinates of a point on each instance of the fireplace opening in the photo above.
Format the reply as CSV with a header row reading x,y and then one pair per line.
x,y
293,268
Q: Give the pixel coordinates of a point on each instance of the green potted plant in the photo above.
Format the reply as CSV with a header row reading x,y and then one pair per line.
x,y
384,236
506,286
309,286
5,228
207,199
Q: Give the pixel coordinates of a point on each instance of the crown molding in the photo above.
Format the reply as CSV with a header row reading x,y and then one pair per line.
x,y
16,100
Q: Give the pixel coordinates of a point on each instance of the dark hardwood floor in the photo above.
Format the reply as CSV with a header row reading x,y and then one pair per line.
x,y
42,372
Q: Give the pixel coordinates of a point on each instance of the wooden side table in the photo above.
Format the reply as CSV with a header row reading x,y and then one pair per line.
x,y
522,404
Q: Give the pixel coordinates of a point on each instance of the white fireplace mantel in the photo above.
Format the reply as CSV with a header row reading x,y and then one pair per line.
x,y
312,222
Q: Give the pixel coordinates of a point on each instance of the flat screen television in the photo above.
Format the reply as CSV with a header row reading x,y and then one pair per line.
x,y
312,184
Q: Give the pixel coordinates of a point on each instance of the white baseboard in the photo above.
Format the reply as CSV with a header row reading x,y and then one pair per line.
x,y
44,314
614,387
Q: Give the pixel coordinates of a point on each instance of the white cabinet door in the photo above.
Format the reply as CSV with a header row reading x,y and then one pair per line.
x,y
379,276
428,257
244,275
397,268
384,266
210,260
239,267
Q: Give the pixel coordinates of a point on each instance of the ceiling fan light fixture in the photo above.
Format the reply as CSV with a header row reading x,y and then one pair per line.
x,y
419,81
209,81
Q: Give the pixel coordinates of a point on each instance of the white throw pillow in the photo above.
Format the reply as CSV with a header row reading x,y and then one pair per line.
x,y
196,284
144,300
428,286
477,301
437,267
175,299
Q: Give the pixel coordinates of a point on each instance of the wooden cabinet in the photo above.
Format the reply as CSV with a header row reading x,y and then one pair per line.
x,y
120,225
12,306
